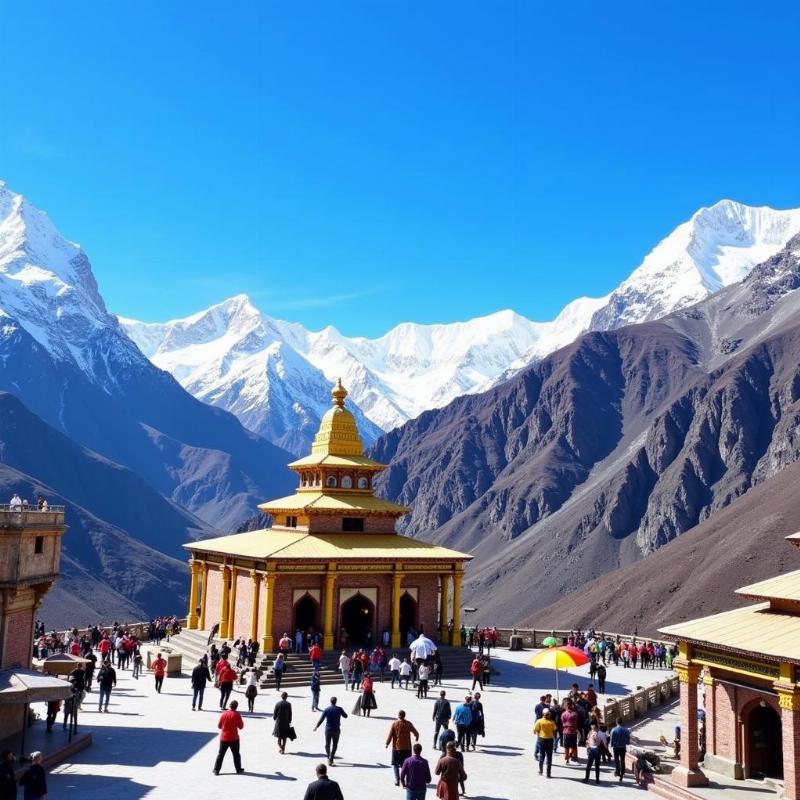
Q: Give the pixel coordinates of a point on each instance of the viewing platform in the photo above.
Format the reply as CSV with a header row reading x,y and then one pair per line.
x,y
15,517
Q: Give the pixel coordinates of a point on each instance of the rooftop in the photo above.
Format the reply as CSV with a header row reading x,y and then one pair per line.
x,y
333,501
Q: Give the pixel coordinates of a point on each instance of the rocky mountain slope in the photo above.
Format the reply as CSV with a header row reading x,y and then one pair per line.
x,y
274,375
71,363
695,574
610,447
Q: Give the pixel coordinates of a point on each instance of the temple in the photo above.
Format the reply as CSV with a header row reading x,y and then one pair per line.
x,y
332,560
747,660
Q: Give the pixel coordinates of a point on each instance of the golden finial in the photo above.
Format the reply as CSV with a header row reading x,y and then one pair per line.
x,y
338,393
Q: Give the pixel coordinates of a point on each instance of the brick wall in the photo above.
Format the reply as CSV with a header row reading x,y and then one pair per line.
x,y
283,608
427,601
214,599
244,604
18,638
383,610
333,524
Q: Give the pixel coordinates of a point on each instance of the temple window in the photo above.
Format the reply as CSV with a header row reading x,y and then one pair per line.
x,y
317,479
305,479
347,482
331,482
291,522
353,524
39,545
363,483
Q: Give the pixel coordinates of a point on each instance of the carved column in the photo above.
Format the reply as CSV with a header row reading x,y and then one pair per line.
x,y
232,603
328,622
223,608
397,587
688,773
191,622
444,608
204,597
457,577
789,703
256,576
269,598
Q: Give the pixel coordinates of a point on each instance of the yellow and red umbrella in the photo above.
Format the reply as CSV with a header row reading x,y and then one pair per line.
x,y
559,658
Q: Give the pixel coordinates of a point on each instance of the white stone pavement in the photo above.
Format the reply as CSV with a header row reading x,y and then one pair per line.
x,y
155,746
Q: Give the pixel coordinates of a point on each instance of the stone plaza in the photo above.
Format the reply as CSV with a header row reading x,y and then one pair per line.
x,y
155,746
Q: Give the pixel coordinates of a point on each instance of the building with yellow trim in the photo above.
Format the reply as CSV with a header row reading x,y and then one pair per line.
x,y
332,562
746,664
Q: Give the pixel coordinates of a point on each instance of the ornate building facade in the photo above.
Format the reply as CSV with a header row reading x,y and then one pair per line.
x,y
747,663
332,560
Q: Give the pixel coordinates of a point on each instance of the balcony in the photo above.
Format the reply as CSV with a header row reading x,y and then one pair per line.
x,y
18,517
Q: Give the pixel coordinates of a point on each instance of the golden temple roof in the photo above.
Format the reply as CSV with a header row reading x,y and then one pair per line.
x,y
781,587
286,545
333,501
758,629
337,434
328,460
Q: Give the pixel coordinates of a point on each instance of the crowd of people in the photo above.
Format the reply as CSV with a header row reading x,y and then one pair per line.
x,y
574,722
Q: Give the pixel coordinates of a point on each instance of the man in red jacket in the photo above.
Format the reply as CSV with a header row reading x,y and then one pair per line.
x,y
159,667
315,656
226,676
230,723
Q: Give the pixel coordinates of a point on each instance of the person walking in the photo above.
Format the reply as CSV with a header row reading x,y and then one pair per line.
x,y
451,773
545,730
462,717
445,737
226,677
53,707
323,788
620,739
394,669
399,738
423,673
344,667
159,668
601,678
477,726
367,703
405,672
594,746
34,781
106,680
277,671
332,717
8,781
315,688
200,676
282,714
251,692
415,775
230,723
476,670
137,662
442,712
315,656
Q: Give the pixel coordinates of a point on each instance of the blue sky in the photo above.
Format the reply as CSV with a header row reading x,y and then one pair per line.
x,y
362,164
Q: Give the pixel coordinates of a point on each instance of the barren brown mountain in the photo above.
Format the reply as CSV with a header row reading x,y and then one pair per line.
x,y
609,448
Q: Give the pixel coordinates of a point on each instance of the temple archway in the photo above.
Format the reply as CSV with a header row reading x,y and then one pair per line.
x,y
306,613
408,615
358,617
764,742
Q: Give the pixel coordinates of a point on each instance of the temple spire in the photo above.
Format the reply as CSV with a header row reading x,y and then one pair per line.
x,y
338,393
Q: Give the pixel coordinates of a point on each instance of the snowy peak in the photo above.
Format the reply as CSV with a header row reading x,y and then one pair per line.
x,y
717,247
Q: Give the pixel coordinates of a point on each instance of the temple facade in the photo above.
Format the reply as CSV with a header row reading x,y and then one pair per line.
x,y
332,562
743,666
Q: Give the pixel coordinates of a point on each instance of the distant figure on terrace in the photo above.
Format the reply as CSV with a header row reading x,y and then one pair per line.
x,y
16,502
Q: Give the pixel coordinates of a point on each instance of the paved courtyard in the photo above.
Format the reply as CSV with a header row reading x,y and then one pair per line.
x,y
155,746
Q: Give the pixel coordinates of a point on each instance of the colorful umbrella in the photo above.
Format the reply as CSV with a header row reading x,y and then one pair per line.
x,y
559,658
550,641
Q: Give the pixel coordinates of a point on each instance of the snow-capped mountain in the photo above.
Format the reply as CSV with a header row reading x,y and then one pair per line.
x,y
69,362
274,375
233,356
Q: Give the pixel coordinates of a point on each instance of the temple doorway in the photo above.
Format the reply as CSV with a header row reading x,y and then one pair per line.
x,y
306,614
358,617
765,742
408,615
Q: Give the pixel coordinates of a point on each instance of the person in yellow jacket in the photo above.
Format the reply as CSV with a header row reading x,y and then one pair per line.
x,y
545,729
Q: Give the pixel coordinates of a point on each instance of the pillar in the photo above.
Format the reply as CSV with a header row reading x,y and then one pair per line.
x,y
444,608
789,704
256,576
327,624
204,597
191,621
709,689
688,772
232,605
223,607
397,586
269,602
457,577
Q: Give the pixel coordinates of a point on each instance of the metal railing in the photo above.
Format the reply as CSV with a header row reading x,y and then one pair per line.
x,y
30,509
